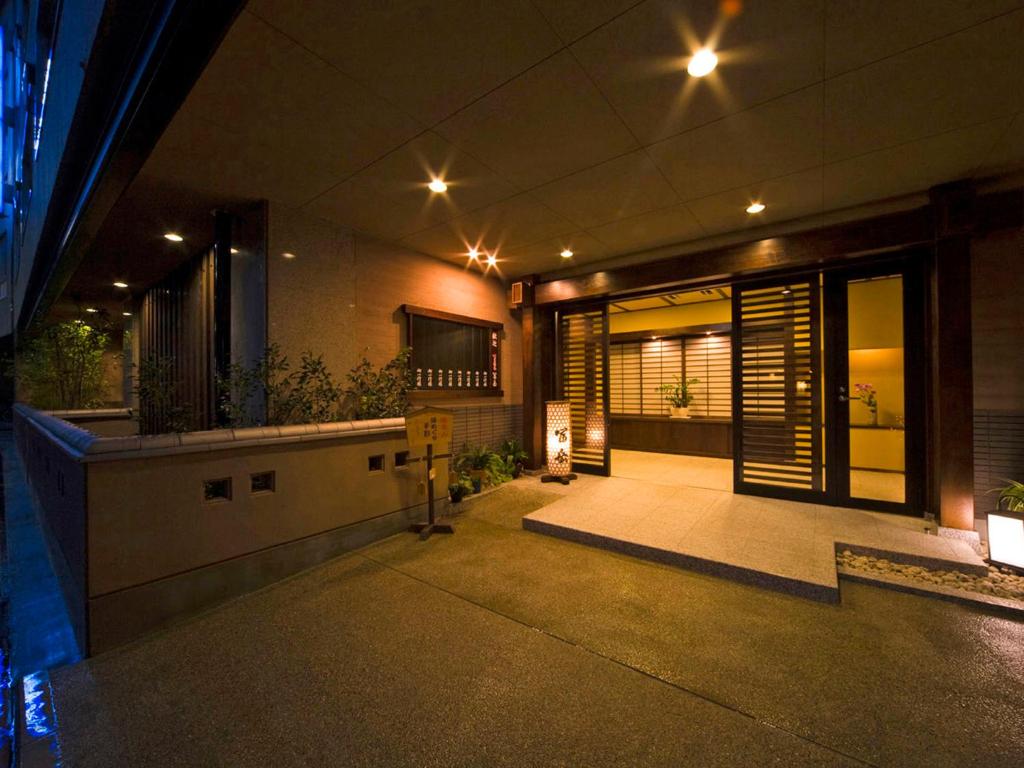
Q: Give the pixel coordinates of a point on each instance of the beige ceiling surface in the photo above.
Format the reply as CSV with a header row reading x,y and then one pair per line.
x,y
573,123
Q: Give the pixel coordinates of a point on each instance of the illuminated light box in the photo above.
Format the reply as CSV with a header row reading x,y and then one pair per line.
x,y
1006,539
559,442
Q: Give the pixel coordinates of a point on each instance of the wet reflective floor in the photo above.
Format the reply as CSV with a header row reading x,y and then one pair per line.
x,y
497,646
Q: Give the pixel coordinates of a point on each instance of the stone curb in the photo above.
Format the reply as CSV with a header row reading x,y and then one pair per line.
x,y
1014,608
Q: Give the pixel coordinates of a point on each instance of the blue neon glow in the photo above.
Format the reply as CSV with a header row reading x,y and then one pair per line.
x,y
37,720
37,129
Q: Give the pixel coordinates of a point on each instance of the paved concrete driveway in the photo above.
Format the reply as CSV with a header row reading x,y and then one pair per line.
x,y
501,647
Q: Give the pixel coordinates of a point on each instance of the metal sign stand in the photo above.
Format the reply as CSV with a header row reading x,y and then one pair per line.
x,y
431,526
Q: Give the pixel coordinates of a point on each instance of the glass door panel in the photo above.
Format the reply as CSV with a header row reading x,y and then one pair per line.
x,y
877,389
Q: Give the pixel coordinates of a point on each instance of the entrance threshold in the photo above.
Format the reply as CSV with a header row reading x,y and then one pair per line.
x,y
776,544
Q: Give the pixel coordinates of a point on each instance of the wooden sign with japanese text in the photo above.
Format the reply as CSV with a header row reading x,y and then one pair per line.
x,y
429,426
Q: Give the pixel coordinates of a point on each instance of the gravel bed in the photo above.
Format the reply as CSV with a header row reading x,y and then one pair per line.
x,y
1000,582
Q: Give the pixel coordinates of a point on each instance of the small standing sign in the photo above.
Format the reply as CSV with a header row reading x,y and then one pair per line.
x,y
424,429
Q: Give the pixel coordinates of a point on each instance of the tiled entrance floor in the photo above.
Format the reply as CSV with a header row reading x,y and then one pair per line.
x,y
783,545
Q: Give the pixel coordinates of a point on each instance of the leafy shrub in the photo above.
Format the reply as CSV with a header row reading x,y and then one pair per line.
x,y
382,393
160,407
61,366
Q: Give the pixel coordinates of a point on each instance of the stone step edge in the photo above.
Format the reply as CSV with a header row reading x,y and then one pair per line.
x,y
1000,605
931,562
811,590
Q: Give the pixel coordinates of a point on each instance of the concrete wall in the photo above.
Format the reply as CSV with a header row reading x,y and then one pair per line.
x,y
342,294
143,547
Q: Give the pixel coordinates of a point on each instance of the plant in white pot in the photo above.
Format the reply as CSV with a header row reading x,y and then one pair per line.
x,y
677,395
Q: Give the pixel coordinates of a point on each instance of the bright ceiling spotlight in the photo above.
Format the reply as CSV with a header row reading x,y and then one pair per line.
x,y
234,250
566,254
474,254
120,284
288,255
491,260
127,314
91,310
174,237
437,186
756,207
702,63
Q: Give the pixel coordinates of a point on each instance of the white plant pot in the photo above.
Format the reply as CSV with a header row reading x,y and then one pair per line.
x,y
679,413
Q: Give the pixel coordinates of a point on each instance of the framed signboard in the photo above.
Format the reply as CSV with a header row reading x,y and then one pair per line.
x,y
453,354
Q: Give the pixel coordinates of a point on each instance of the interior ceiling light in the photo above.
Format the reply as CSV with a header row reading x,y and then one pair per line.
x,y
437,186
566,254
702,63
755,207
234,250
474,254
174,237
288,255
127,314
91,310
491,260
120,284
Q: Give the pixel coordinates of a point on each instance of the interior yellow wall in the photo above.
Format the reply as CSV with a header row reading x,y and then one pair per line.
x,y
876,314
704,313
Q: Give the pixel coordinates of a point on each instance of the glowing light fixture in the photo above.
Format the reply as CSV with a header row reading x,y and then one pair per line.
x,y
566,254
1006,538
288,255
437,186
91,310
755,207
702,63
491,260
127,314
559,442
174,237
234,250
120,284
474,254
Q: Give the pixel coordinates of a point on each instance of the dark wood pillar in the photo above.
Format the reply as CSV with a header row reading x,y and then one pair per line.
x,y
221,308
952,387
538,371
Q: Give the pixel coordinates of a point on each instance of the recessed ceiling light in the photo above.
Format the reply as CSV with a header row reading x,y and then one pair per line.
x,y
786,291
174,237
437,186
474,254
91,310
288,255
234,250
127,314
755,207
119,284
566,254
491,260
702,63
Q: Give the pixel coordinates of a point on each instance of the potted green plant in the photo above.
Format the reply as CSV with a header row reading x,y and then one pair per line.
x,y
514,456
677,395
1011,497
458,489
475,461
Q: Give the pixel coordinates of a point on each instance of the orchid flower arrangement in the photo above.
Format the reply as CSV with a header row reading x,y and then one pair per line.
x,y
867,394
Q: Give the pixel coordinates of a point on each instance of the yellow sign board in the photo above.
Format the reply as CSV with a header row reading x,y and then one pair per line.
x,y
429,426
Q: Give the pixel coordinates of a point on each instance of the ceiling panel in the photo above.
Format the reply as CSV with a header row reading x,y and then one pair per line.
x,y
639,60
510,224
774,139
397,186
548,123
861,31
626,186
574,18
959,80
429,58
649,230
786,198
545,255
1007,154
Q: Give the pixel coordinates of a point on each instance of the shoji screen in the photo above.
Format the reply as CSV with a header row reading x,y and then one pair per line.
x,y
709,359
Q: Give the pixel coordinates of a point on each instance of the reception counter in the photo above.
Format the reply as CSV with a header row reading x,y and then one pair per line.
x,y
695,436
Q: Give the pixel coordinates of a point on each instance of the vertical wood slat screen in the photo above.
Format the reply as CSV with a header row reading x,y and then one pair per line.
x,y
582,337
776,372
637,369
177,326
709,358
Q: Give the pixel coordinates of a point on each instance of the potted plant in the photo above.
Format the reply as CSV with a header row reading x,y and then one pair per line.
x,y
475,461
1011,498
868,395
461,486
514,456
677,395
